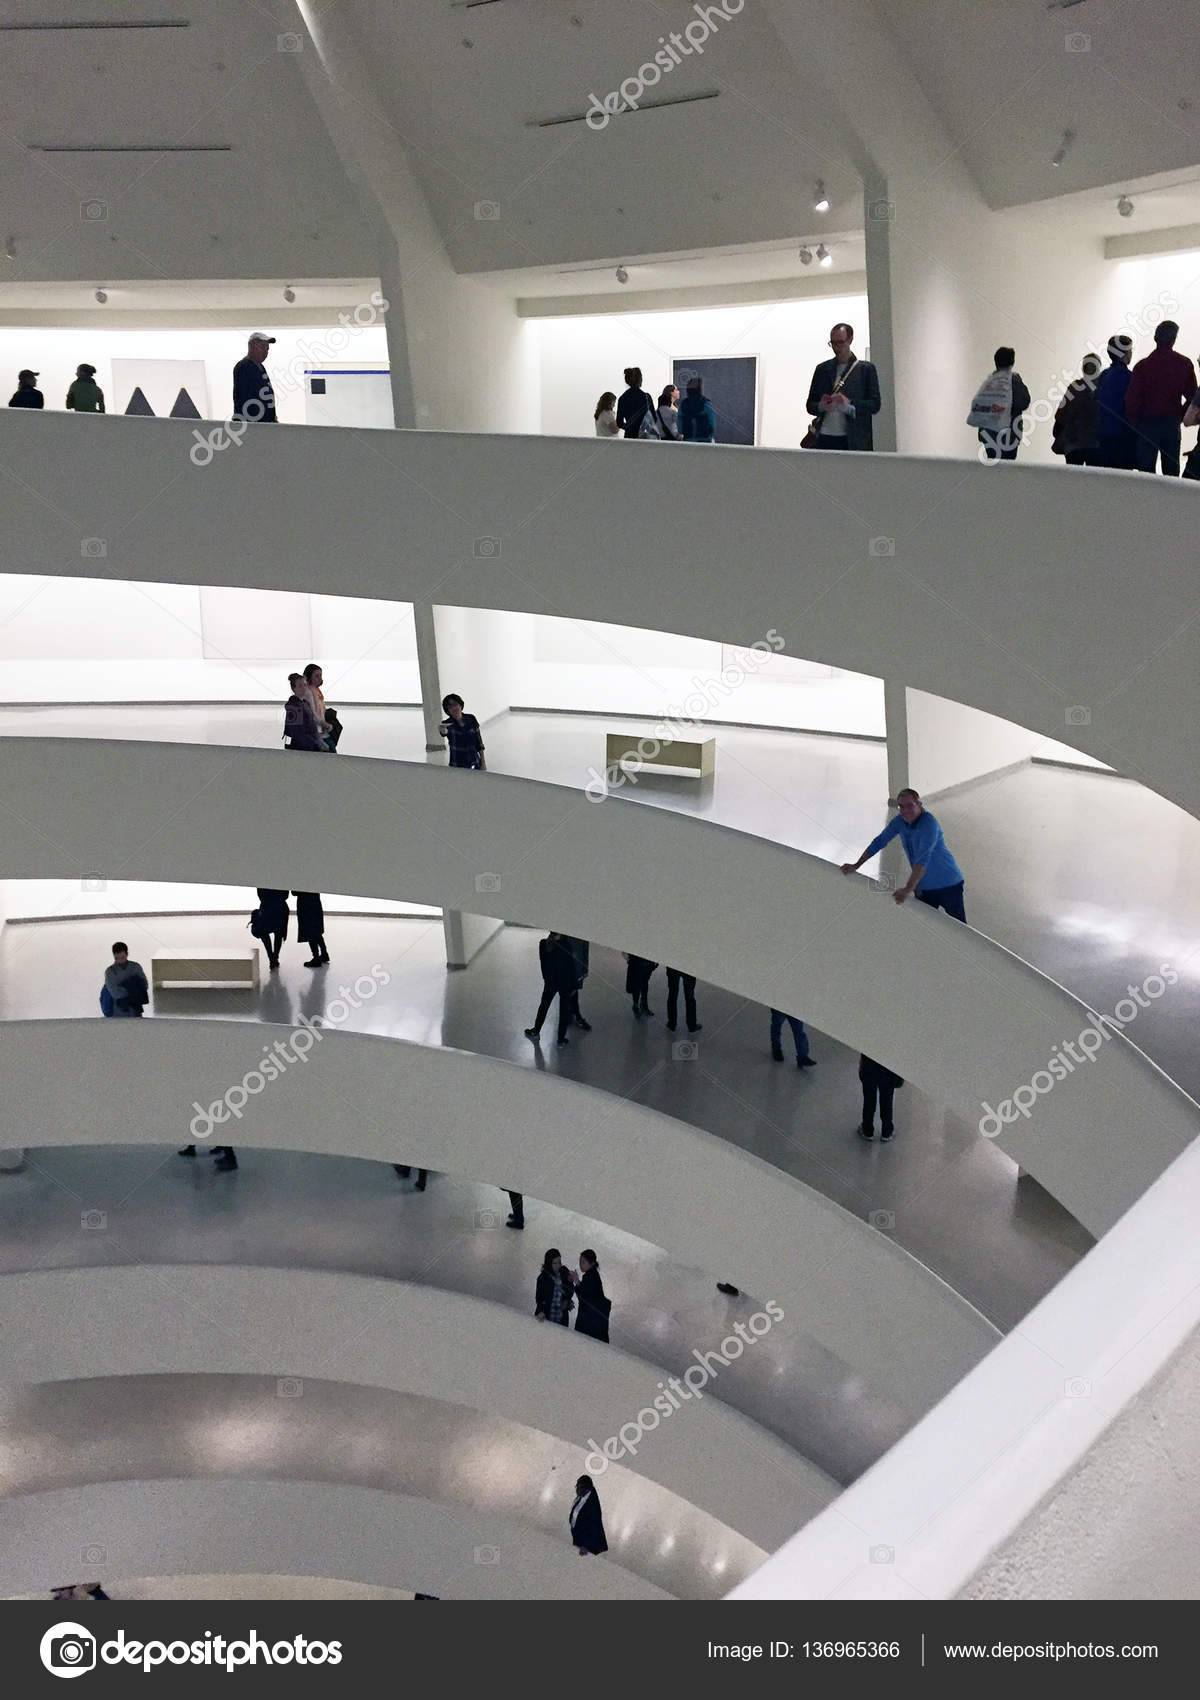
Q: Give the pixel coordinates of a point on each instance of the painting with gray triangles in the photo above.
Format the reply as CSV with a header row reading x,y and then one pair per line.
x,y
176,389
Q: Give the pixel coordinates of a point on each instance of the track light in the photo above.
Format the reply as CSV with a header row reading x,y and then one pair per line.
x,y
101,296
824,257
1125,207
1068,136
820,198
289,294
622,275
806,257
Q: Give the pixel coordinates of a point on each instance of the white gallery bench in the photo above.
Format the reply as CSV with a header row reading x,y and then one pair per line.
x,y
698,757
205,971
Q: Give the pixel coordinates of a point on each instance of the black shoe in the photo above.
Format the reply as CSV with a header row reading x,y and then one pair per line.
x,y
513,1223
776,1056
806,1062
671,1027
228,1161
188,1151
315,962
564,1040
403,1170
636,1011
884,1137
724,1287
533,1032
580,1022
274,965
698,1028
421,1179
866,1133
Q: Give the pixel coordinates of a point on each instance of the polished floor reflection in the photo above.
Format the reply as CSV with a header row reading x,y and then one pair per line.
x,y
60,1434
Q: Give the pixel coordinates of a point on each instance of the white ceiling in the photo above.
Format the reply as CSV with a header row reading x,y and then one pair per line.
x,y
1007,77
277,203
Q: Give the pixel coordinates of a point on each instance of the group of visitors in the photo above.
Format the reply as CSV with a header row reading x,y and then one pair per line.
x,y
1123,416
84,395
669,420
558,1288
307,723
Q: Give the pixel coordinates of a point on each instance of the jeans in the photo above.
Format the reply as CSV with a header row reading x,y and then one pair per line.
x,y
1156,437
517,1201
565,1001
886,1097
798,1034
689,998
947,897
999,445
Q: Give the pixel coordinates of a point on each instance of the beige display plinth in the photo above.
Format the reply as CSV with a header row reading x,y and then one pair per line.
x,y
192,970
700,756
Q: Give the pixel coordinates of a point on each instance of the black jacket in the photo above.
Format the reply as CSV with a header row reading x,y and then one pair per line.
x,y
594,1306
588,1530
873,1073
310,916
632,409
861,387
559,972
638,972
251,383
28,398
543,1293
273,908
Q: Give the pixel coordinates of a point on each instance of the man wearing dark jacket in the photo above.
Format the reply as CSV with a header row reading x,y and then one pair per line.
x,y
1118,445
559,980
843,397
253,397
1159,390
125,983
580,951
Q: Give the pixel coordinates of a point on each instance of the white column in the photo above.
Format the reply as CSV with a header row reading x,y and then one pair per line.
x,y
892,863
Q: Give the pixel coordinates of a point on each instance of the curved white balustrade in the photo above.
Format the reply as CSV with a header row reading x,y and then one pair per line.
x,y
1022,1460
903,1333
65,1325
223,1527
945,1006
968,581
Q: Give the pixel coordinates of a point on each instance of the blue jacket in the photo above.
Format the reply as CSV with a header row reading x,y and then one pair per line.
x,y
923,842
697,421
1110,394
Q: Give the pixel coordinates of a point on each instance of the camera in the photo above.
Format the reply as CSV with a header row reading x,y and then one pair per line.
x,y
289,1387
289,43
1079,716
488,1219
1077,42
486,548
72,1652
93,210
883,1555
1079,1387
884,1220
487,1555
93,548
489,210
880,546
685,1050
93,1219
487,882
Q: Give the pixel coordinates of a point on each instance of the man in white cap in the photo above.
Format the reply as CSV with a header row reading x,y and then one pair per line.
x,y
253,397
27,393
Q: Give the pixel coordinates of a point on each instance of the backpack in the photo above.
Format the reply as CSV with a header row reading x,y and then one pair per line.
x,y
107,1006
255,924
652,428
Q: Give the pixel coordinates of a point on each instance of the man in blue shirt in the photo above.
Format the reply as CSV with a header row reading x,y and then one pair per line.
x,y
936,877
1118,440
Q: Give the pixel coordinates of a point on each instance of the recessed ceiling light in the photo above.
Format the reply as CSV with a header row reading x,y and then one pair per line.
x,y
289,294
824,257
806,256
622,275
101,296
820,198
1125,207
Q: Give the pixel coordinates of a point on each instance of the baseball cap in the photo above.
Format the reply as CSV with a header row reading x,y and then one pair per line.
x,y
259,336
26,373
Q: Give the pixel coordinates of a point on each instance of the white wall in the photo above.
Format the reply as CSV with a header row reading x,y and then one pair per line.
x,y
54,353
34,899
111,640
950,744
581,358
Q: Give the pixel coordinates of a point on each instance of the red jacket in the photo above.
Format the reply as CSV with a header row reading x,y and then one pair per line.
x,y
1161,386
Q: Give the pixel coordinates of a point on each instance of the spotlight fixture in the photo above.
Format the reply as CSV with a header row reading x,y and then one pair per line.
x,y
10,248
806,255
1125,207
622,275
101,296
1068,136
824,257
289,294
820,198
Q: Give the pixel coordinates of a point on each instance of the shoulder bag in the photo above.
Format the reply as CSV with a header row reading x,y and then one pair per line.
x,y
809,439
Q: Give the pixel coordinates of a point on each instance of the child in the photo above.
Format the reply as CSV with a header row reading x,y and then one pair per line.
x,y
877,1080
462,731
